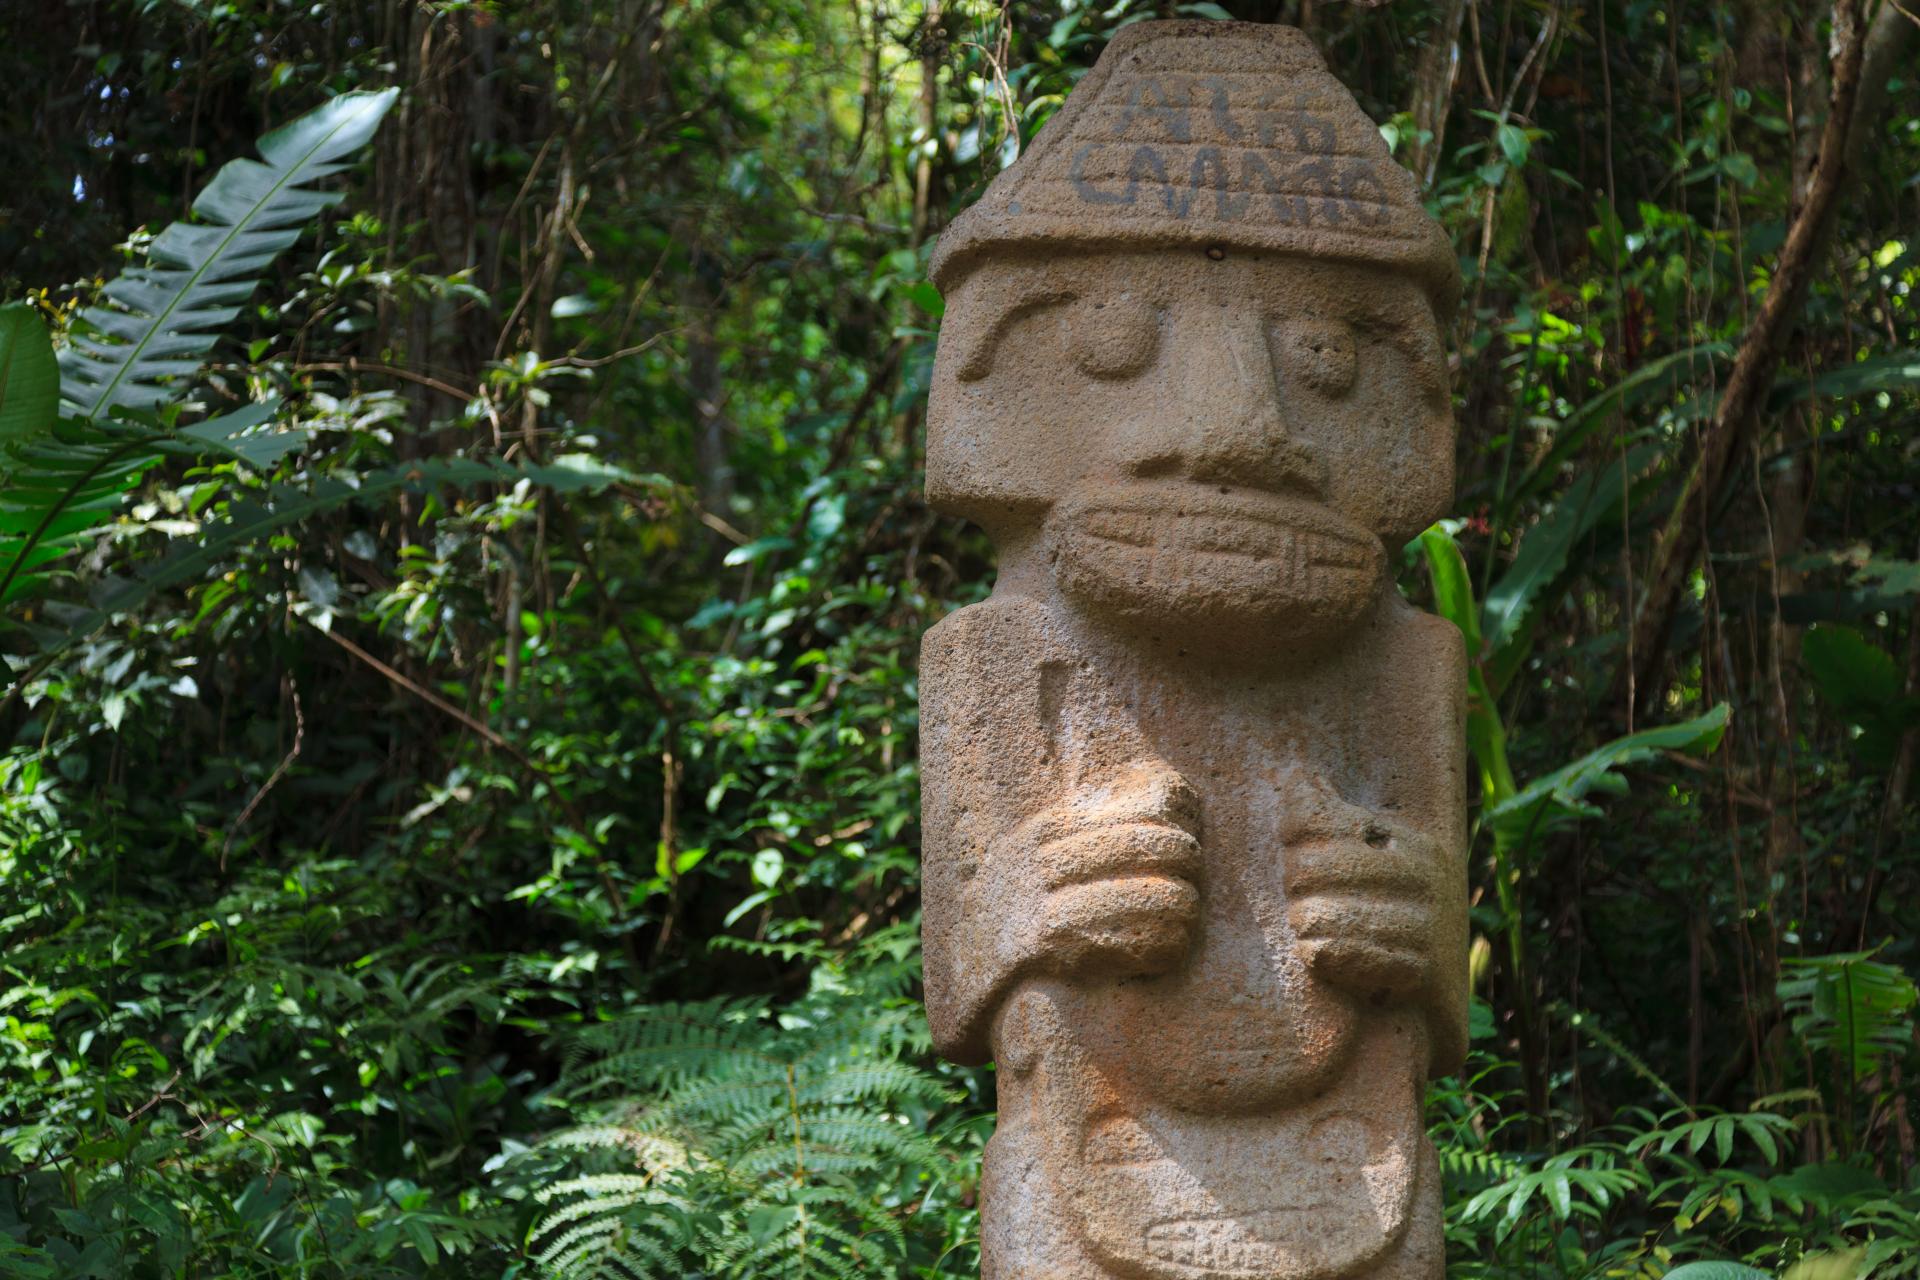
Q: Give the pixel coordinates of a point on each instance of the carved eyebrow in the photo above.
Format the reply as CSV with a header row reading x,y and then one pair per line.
x,y
1415,336
976,356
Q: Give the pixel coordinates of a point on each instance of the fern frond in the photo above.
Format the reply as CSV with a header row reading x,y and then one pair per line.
x,y
158,321
155,325
800,1119
59,488
619,1228
869,1080
601,1188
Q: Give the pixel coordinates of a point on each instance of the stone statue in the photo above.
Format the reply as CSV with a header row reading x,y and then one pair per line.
x,y
1194,798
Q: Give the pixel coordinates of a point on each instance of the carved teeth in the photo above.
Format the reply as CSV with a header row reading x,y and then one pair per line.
x,y
1218,1245
1231,535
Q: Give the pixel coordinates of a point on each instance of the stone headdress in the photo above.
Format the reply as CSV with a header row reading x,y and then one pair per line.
x,y
1210,133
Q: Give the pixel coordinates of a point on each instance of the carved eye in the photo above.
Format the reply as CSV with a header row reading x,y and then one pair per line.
x,y
1429,361
1113,338
1320,353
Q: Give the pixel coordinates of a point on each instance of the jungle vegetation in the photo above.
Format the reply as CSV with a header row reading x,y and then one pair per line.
x,y
462,559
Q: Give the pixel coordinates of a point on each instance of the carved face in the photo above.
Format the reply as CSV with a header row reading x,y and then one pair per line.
x,y
1201,442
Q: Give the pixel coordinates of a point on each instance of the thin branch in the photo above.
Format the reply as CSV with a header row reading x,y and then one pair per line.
x,y
273,779
1683,539
353,365
431,698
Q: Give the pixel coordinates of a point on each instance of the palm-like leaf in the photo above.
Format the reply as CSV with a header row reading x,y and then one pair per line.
x,y
1856,1007
64,480
159,321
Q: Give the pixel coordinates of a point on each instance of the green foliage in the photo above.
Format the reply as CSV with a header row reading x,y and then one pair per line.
x,y
1561,795
131,354
460,745
29,375
158,322
1863,684
749,1143
1851,1005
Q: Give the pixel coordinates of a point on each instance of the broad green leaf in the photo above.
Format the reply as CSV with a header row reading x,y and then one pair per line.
x,y
1562,794
1864,685
756,550
229,434
1855,674
1559,1193
1452,586
1849,1005
60,487
1716,1271
29,375
1513,143
1453,599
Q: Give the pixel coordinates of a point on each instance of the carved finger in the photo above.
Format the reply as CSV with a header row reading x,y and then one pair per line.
x,y
1151,792
1378,862
1106,852
1121,928
1387,922
1367,967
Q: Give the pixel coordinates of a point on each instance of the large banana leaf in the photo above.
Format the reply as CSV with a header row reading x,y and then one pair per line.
x,y
159,321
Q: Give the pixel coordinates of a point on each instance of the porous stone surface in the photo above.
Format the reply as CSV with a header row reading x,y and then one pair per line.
x,y
1194,804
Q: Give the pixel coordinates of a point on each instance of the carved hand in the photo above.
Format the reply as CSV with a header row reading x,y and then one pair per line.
x,y
1103,883
1364,896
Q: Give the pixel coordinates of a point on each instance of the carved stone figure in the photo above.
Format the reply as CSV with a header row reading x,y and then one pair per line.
x,y
1194,815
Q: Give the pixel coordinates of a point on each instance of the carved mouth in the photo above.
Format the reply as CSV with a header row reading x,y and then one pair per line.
x,y
1300,535
1224,1245
1149,549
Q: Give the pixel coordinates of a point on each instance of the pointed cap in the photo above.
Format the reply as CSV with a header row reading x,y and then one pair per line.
x,y
1210,133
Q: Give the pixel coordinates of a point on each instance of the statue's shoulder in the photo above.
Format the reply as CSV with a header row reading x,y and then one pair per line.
x,y
1410,632
1005,627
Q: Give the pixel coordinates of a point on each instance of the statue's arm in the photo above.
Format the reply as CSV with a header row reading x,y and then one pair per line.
x,y
1042,851
1377,892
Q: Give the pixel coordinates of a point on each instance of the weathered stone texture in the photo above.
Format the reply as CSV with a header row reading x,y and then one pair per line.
x,y
1194,810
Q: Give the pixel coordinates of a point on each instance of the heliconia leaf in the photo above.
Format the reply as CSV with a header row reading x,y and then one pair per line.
x,y
29,375
156,323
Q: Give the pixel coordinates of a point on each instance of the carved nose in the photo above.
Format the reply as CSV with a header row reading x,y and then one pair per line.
x,y
1229,421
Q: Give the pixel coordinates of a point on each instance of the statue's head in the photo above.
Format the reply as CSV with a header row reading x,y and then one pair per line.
x,y
1192,349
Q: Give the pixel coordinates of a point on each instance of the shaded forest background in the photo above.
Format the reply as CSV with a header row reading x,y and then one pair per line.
x,y
417,871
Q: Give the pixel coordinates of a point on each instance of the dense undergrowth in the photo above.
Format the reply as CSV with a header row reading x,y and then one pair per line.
x,y
458,811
